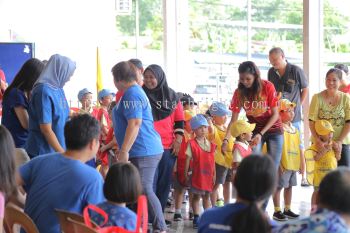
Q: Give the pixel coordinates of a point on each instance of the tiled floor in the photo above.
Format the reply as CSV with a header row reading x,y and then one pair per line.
x,y
300,204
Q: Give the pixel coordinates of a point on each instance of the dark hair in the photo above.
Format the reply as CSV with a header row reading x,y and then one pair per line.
x,y
7,164
342,67
124,71
26,76
80,130
122,183
338,72
136,62
249,93
255,181
338,200
277,50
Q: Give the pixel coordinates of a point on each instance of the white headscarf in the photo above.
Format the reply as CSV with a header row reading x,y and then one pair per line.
x,y
57,71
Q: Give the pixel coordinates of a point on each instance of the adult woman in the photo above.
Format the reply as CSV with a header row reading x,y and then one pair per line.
x,y
7,170
255,181
16,99
168,119
258,98
136,137
48,108
334,106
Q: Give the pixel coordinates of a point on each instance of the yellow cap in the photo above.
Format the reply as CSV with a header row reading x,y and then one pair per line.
x,y
189,114
323,127
240,126
285,104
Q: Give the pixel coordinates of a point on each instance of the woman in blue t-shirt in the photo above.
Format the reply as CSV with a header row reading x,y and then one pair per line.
x,y
15,100
137,139
255,181
48,108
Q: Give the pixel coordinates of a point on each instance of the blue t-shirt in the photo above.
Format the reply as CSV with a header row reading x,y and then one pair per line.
x,y
117,216
15,98
135,105
55,181
218,219
47,106
323,221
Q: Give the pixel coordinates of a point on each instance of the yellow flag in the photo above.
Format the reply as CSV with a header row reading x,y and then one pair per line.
x,y
99,83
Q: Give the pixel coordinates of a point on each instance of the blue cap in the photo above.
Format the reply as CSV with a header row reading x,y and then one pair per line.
x,y
198,121
82,93
218,109
104,92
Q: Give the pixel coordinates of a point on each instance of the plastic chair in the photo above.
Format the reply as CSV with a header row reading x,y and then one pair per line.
x,y
67,226
79,227
14,216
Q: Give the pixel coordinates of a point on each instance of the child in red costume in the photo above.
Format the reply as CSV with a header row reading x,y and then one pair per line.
x,y
201,152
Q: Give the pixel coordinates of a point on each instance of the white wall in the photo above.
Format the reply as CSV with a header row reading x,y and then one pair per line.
x,y
73,28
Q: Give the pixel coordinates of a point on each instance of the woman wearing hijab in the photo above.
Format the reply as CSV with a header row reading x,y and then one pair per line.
x,y
48,108
168,119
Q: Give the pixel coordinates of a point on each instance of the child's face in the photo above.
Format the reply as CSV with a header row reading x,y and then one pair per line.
x,y
86,100
247,136
326,138
201,131
287,115
188,126
189,107
106,101
220,120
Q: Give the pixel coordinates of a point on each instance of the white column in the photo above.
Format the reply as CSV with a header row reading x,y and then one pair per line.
x,y
177,61
313,53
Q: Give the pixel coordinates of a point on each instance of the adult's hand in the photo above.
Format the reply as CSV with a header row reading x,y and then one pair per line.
x,y
176,147
224,147
255,140
123,157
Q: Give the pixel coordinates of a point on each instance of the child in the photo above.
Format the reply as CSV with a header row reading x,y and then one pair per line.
x,y
85,98
188,102
290,162
217,131
122,186
242,131
106,155
324,154
105,98
201,152
180,181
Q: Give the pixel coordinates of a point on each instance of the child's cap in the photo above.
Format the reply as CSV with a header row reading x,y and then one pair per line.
x,y
187,99
218,109
240,126
198,121
285,104
82,93
323,127
189,114
104,92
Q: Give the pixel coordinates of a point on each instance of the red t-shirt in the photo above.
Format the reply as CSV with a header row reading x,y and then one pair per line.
x,y
259,111
165,127
345,89
118,96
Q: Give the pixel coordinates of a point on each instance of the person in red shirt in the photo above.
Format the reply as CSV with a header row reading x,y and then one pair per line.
x,y
344,85
201,151
168,119
3,84
259,100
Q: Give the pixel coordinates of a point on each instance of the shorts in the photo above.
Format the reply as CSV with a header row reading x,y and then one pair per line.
x,y
223,174
177,184
287,179
198,191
